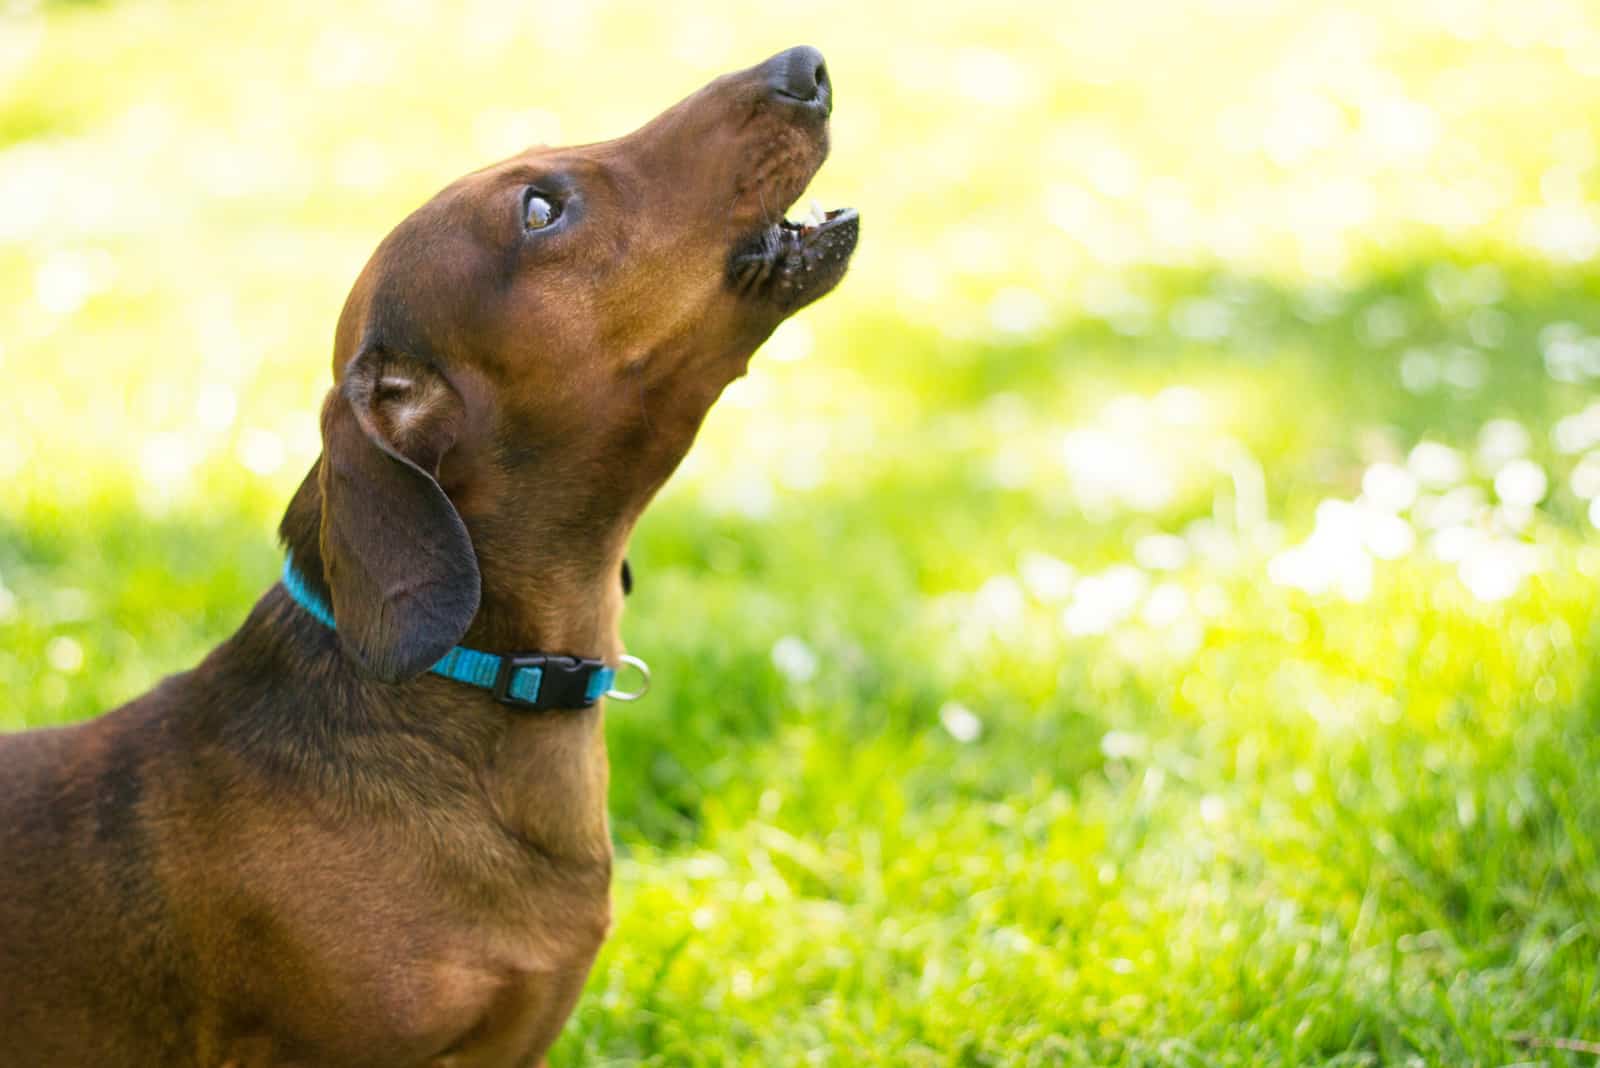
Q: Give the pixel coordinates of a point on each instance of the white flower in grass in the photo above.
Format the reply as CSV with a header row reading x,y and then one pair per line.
x,y
1501,441
1453,544
1562,346
1464,504
1436,466
1419,370
1521,483
1323,568
1102,601
1586,477
1047,578
1513,517
1385,322
1466,369
1563,232
1488,327
794,659
960,722
1338,554
1577,432
998,605
1494,568
1167,605
1161,552
1388,537
1123,745
1389,487
64,654
1118,467
1213,543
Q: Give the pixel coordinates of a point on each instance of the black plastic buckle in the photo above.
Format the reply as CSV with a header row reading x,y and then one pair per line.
x,y
563,681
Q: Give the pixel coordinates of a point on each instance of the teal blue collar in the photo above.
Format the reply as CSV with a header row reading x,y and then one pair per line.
x,y
528,680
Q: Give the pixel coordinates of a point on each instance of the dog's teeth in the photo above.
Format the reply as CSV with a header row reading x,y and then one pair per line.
x,y
817,216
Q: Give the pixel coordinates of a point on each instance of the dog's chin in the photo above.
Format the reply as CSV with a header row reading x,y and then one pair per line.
x,y
786,265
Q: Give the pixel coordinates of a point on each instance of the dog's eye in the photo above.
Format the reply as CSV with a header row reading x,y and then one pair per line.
x,y
539,212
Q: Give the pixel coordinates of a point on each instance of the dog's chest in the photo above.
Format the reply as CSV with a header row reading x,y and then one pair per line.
x,y
410,945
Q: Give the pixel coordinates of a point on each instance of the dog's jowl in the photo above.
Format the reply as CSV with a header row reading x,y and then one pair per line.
x,y
370,827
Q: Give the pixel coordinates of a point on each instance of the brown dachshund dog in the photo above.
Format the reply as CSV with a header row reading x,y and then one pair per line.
x,y
311,850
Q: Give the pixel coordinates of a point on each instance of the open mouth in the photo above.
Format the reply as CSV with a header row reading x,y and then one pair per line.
x,y
790,264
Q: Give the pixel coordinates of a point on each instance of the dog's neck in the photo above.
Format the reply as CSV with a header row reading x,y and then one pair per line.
x,y
537,598
547,773
545,587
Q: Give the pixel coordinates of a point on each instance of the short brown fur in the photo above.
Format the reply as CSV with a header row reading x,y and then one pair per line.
x,y
308,851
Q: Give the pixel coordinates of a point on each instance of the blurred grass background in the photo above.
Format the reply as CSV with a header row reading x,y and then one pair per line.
x,y
1144,617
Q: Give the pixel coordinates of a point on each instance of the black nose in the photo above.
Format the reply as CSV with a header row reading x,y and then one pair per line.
x,y
801,75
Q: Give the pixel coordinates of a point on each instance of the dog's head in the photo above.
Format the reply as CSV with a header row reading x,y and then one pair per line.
x,y
528,356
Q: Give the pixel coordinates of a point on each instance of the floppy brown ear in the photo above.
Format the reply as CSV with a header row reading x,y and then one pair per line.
x,y
399,564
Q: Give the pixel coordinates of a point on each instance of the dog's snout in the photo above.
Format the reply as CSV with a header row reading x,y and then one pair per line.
x,y
800,75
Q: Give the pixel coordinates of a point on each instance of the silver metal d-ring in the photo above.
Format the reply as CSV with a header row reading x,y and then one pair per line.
x,y
644,681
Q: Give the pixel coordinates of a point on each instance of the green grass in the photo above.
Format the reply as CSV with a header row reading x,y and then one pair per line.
x,y
1175,811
